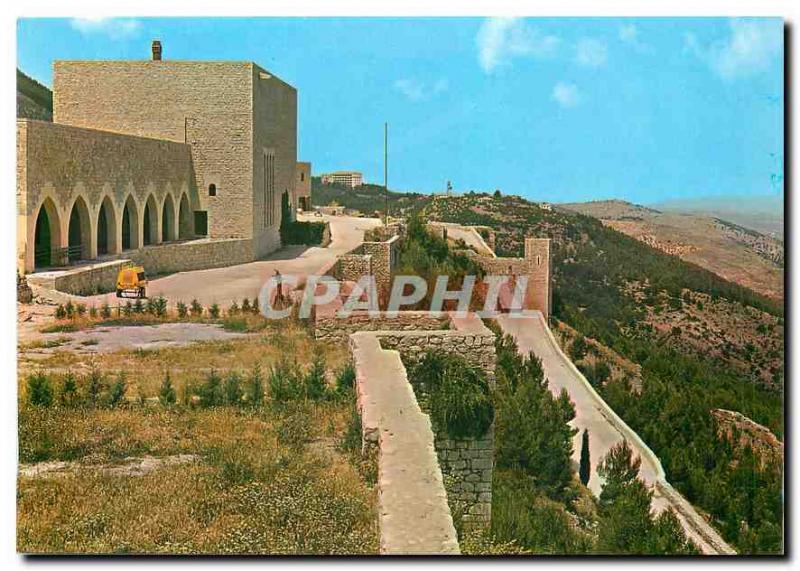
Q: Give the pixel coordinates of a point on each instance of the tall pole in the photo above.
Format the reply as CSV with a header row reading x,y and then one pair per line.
x,y
386,167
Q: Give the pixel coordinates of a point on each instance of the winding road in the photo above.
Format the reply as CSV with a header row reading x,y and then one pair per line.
x,y
606,429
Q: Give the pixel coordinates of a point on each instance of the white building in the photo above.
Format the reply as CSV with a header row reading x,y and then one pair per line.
x,y
346,178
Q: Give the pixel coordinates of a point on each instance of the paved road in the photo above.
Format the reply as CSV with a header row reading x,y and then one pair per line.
x,y
605,429
224,285
470,236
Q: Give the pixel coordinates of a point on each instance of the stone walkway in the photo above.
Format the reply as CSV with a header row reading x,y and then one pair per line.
x,y
414,516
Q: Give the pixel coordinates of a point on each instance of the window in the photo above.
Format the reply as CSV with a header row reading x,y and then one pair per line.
x,y
302,176
268,198
201,222
538,260
212,189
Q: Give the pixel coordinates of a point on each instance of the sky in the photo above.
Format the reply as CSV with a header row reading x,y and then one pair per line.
x,y
553,109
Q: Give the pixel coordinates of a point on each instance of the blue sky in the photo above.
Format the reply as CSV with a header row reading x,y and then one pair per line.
x,y
553,109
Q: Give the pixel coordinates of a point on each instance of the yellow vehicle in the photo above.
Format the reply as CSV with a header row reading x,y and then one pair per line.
x,y
132,281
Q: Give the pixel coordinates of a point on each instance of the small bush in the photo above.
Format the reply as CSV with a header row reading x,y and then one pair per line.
x,y
284,382
161,307
233,388
314,381
255,307
105,311
211,391
94,387
127,309
213,311
255,394
69,390
138,307
195,308
182,309
246,306
233,309
61,313
40,391
458,394
80,309
345,379
166,395
69,309
92,312
116,393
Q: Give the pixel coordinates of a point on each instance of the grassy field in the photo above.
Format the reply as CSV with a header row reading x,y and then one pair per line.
x,y
274,478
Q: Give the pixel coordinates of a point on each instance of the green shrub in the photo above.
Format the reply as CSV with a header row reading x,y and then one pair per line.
x,y
182,309
80,309
345,379
40,391
255,307
93,312
213,311
69,309
69,390
285,382
195,308
255,391
245,305
161,307
127,309
211,391
61,312
457,394
138,306
233,388
94,387
166,393
116,394
314,380
233,309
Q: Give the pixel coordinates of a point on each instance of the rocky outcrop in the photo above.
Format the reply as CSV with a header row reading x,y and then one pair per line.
x,y
747,433
24,292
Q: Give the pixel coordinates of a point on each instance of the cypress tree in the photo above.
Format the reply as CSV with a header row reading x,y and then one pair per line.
x,y
585,470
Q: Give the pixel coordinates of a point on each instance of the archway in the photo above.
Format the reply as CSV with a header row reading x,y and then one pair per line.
x,y
80,231
168,220
150,234
185,221
46,234
130,225
106,228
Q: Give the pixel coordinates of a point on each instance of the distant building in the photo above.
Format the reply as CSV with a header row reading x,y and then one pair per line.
x,y
346,178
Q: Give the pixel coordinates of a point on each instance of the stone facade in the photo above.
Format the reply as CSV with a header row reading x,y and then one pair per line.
x,y
233,125
467,465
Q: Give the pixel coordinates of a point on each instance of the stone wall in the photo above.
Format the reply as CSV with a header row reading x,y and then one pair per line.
x,y
351,267
328,327
84,280
193,255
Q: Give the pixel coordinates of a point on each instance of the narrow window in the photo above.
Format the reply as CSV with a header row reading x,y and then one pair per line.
x,y
212,189
538,260
302,176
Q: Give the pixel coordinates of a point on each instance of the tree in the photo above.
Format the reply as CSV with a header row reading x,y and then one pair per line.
x,y
585,464
117,391
233,388
40,393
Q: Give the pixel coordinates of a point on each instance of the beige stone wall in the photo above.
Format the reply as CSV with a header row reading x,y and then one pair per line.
x,y
60,167
335,329
91,280
351,267
274,105
193,255
302,184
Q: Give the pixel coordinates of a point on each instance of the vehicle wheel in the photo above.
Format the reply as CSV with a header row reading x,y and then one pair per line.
x,y
119,293
142,293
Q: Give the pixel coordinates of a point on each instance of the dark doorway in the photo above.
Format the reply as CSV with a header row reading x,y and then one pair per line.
x,y
42,253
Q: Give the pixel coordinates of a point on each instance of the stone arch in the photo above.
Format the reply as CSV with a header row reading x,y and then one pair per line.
x,y
79,231
47,234
150,226
185,220
130,225
168,229
107,234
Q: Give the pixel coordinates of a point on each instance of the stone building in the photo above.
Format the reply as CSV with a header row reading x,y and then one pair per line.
x,y
143,156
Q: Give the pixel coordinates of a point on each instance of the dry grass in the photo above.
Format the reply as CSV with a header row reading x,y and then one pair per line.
x,y
268,480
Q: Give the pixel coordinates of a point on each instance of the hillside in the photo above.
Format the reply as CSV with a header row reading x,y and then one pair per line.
x,y
734,252
367,198
34,100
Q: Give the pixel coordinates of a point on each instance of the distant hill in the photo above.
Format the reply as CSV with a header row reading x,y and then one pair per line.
x,y
367,198
761,213
739,254
34,100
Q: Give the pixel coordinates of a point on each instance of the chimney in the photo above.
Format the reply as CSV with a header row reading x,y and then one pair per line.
x,y
156,50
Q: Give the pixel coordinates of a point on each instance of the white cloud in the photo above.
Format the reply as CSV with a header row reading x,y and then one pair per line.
x,y
502,39
566,94
115,28
751,48
591,52
415,90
